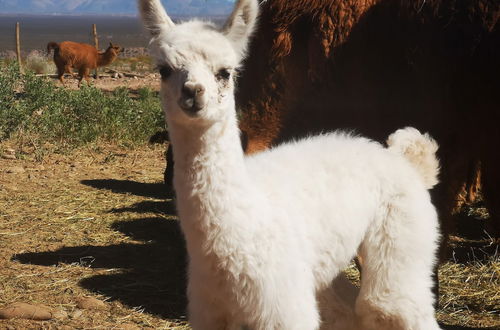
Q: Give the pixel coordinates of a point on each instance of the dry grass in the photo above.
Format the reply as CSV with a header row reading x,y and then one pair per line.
x,y
91,224
139,64
97,222
470,293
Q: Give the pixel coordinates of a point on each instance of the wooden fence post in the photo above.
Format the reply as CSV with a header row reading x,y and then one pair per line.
x,y
18,49
96,43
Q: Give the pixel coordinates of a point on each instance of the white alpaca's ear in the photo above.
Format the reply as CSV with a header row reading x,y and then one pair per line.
x,y
154,16
241,23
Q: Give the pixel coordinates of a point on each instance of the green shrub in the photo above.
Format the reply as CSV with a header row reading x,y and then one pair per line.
x,y
34,106
12,115
40,64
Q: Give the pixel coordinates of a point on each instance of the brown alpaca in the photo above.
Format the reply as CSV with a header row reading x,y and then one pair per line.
x,y
69,55
374,66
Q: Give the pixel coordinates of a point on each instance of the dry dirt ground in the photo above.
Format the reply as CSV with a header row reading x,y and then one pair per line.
x,y
94,223
98,222
106,82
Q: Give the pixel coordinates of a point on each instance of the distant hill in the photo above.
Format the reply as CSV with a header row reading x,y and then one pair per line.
x,y
119,7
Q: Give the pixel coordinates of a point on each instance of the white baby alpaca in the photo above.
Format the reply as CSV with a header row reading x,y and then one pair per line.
x,y
267,235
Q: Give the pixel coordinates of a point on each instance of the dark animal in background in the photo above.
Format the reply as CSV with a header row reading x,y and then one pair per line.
x,y
69,55
374,66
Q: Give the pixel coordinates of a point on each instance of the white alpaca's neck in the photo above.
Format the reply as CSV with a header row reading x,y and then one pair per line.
x,y
211,183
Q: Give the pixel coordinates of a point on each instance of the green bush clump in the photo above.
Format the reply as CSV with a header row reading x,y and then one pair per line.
x,y
40,64
34,106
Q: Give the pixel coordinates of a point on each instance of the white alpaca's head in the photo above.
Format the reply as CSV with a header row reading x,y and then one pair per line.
x,y
197,61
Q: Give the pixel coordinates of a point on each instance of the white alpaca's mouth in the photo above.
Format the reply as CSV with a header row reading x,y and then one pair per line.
x,y
191,107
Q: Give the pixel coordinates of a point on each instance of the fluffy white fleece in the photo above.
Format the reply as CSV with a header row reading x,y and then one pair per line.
x,y
268,235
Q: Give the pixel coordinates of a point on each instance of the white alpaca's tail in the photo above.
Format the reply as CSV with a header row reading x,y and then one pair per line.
x,y
420,150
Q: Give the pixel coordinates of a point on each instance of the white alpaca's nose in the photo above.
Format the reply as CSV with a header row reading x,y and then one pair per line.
x,y
192,97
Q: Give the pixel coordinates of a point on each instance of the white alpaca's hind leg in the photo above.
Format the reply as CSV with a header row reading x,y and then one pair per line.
x,y
398,255
336,304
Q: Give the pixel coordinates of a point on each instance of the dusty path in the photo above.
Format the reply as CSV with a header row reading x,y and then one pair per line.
x,y
95,223
107,83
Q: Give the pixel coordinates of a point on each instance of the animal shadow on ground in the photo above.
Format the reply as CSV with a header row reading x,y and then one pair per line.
x,y
154,190
154,273
151,275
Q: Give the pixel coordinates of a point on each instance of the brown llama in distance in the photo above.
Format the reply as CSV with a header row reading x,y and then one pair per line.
x,y
69,55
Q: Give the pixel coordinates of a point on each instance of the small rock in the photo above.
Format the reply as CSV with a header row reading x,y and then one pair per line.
x,y
26,311
9,154
90,303
76,314
59,314
16,170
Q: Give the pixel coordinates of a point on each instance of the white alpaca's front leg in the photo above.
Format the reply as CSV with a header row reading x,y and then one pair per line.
x,y
204,310
289,304
300,313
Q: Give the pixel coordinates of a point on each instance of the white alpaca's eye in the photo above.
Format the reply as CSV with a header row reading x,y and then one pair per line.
x,y
165,71
223,74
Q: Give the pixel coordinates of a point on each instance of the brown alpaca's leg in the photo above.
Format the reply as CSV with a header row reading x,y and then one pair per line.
x,y
60,72
474,182
86,72
69,70
455,170
490,171
455,177
168,175
87,77
83,73
470,189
